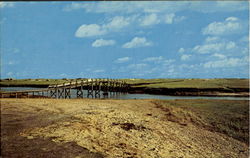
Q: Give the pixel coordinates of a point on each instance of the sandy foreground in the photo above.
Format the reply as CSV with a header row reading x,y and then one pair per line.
x,y
104,128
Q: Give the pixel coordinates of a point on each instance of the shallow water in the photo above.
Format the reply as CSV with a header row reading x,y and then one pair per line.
x,y
128,96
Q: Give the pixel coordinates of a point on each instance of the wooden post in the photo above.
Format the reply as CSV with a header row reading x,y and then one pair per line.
x,y
79,92
81,88
105,88
90,88
97,88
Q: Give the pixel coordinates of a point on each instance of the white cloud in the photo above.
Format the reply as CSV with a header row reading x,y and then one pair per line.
x,y
245,39
169,18
230,45
12,62
10,74
185,57
137,42
137,66
159,60
151,19
168,62
231,19
228,62
89,31
102,42
64,75
154,59
122,60
159,7
117,22
6,4
212,39
231,6
231,25
99,71
217,55
208,48
214,47
179,18
181,50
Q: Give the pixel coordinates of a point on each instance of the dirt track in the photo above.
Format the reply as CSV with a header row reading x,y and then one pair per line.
x,y
104,128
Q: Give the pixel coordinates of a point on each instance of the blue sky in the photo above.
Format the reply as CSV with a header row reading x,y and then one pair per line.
x,y
124,39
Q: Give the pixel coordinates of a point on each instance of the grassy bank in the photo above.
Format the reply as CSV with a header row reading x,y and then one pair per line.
x,y
189,83
32,82
224,116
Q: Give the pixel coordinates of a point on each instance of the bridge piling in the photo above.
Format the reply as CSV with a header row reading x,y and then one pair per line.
x,y
97,89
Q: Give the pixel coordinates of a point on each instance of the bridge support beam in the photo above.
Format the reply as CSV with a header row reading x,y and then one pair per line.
x,y
90,88
97,89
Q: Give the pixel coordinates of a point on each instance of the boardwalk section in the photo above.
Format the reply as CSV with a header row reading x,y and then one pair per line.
x,y
95,88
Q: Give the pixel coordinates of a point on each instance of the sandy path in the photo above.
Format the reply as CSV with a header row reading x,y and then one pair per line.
x,y
116,128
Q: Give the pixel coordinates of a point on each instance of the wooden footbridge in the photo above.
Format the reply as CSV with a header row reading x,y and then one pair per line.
x,y
95,88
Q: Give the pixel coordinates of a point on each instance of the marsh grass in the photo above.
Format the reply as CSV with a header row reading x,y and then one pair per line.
x,y
190,83
230,117
31,82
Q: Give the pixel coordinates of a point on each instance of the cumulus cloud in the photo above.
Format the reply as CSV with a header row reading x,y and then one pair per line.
x,y
6,4
161,61
181,50
102,42
137,42
185,57
117,22
214,47
154,59
90,30
137,66
217,55
122,60
211,39
230,25
227,62
179,18
169,18
151,19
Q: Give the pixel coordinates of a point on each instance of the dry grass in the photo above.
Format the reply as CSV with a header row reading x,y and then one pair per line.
x,y
225,116
117,128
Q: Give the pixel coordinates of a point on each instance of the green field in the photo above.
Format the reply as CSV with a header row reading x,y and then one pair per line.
x,y
190,83
230,117
150,83
32,82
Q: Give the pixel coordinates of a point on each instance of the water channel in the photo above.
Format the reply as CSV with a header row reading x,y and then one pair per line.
x,y
131,96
